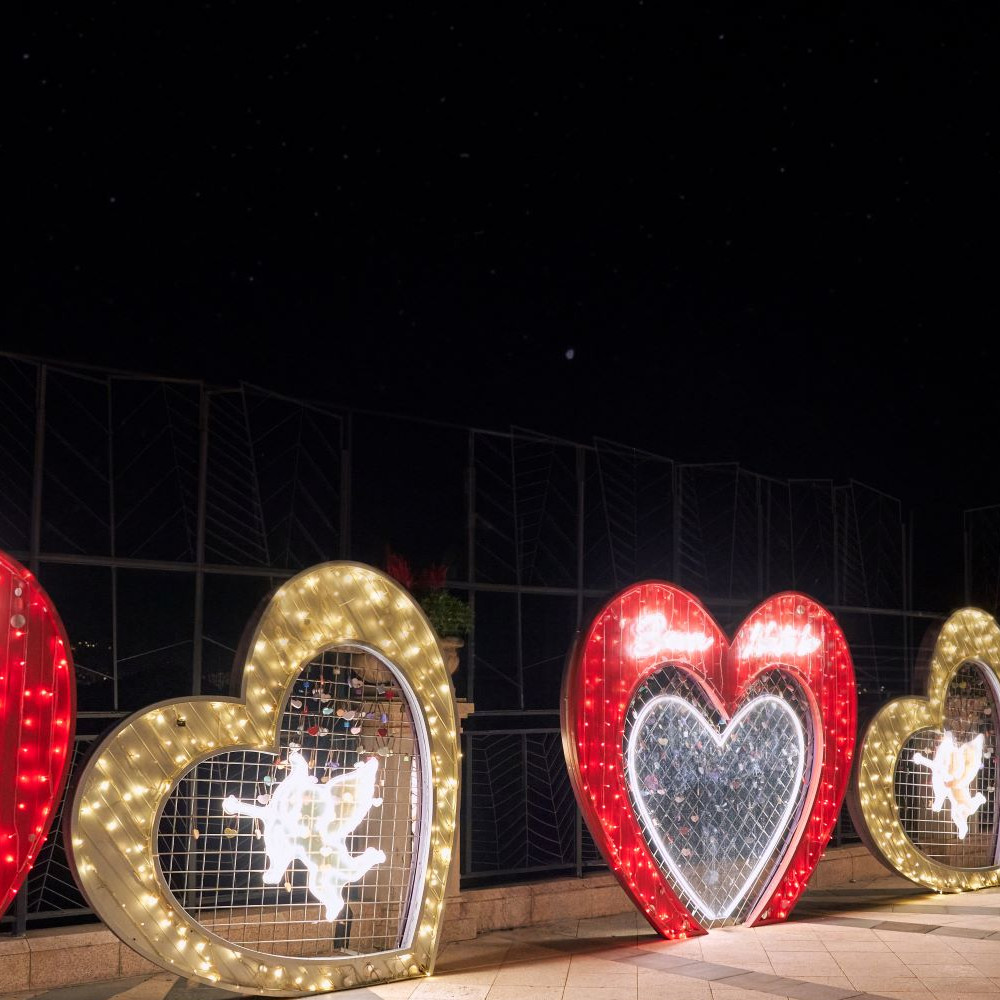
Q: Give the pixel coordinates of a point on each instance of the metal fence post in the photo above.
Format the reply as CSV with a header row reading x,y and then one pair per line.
x,y
37,476
199,558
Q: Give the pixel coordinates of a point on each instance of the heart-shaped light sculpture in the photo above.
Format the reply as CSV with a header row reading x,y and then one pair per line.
x,y
120,798
925,795
710,773
37,716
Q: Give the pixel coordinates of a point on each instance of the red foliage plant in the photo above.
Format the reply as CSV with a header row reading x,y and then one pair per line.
x,y
398,567
429,579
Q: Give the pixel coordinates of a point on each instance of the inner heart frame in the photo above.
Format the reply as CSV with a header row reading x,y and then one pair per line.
x,y
115,808
618,654
969,636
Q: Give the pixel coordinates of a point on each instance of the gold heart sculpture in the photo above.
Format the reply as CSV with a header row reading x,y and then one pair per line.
x,y
120,795
969,636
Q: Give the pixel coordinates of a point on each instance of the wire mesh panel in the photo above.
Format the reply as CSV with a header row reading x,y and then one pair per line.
x,y
717,801
523,810
946,782
310,851
50,885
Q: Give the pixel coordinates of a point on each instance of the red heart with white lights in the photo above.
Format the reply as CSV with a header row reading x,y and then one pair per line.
x,y
710,772
37,714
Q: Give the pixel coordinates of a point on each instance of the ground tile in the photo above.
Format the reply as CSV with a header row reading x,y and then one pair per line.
x,y
431,990
652,983
599,966
857,946
944,970
551,972
483,976
915,994
873,983
772,946
525,993
600,992
814,963
722,992
950,987
401,990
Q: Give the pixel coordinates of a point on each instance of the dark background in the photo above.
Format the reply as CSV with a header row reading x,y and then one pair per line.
x,y
717,234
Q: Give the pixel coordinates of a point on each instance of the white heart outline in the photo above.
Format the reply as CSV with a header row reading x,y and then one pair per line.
x,y
781,829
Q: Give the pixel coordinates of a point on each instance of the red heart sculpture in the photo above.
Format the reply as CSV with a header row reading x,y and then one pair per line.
x,y
639,689
37,716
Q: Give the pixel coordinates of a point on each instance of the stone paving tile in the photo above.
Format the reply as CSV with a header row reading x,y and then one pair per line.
x,y
945,986
660,961
818,991
917,993
393,991
710,971
962,932
601,992
525,993
788,945
652,982
857,946
985,964
551,972
430,989
720,991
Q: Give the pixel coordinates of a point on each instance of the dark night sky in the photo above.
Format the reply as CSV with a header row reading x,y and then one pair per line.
x,y
767,237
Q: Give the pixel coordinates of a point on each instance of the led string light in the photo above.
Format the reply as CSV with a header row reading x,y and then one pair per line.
x,y
968,636
603,675
37,720
697,722
115,811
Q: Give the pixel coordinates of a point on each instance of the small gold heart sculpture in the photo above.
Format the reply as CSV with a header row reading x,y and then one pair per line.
x,y
116,809
901,786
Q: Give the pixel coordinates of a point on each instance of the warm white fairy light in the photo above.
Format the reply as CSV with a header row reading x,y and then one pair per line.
x,y
969,635
155,748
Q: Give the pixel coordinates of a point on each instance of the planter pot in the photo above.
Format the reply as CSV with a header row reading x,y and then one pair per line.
x,y
450,645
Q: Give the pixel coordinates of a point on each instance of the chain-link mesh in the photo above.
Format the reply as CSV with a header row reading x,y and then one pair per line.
x,y
718,802
970,710
344,708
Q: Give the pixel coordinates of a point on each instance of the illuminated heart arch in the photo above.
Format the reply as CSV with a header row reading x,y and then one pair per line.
x,y
116,814
710,773
37,716
925,794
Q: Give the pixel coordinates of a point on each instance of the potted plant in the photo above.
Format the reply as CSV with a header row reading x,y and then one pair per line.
x,y
450,616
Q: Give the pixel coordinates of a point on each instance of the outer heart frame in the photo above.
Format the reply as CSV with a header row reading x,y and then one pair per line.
x,y
968,634
603,673
37,721
117,802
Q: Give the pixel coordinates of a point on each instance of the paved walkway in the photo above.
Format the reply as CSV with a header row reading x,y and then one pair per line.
x,y
884,939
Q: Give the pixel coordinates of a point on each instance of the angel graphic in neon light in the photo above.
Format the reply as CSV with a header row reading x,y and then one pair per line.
x,y
309,822
953,769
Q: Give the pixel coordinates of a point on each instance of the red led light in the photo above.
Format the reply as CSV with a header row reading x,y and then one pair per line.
x,y
37,673
653,623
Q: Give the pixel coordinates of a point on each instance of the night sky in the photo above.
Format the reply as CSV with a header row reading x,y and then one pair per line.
x,y
765,237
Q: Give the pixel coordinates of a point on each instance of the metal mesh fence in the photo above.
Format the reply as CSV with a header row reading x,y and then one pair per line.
x,y
929,821
160,512
252,864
